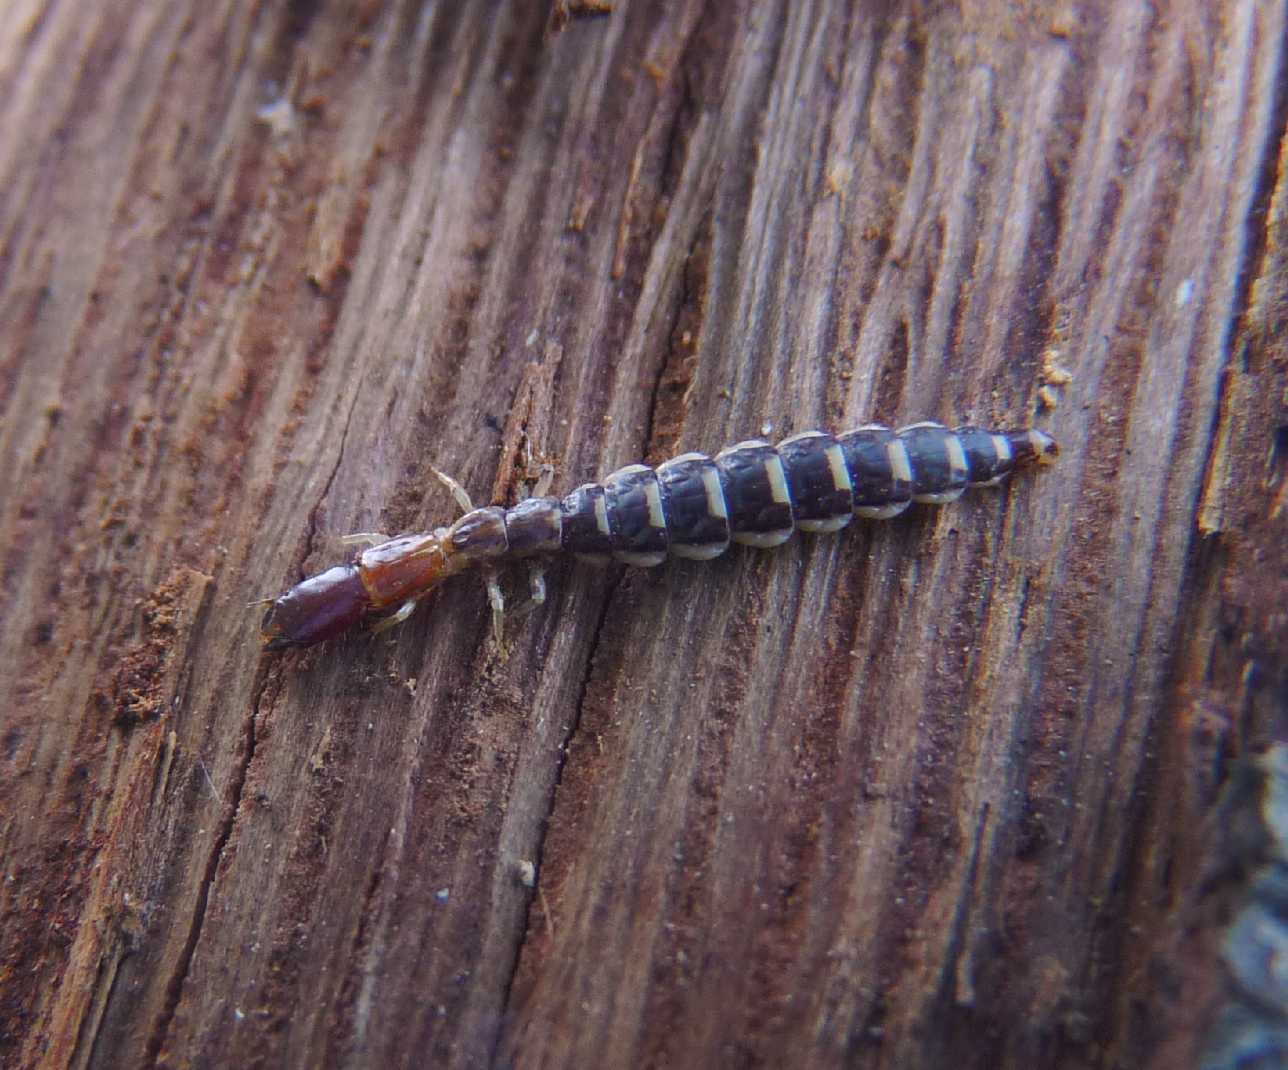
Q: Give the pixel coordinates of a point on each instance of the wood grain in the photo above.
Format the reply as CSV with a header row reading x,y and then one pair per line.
x,y
935,791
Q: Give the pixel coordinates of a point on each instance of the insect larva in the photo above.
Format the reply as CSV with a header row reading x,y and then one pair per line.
x,y
692,506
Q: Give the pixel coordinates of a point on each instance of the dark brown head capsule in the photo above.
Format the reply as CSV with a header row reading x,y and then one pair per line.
x,y
320,608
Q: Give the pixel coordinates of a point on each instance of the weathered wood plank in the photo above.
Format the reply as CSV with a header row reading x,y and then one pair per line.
x,y
935,789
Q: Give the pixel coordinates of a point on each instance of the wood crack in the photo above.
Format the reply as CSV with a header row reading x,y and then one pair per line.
x,y
311,533
175,985
564,750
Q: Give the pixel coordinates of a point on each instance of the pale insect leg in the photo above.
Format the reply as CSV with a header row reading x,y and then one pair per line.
x,y
536,571
544,481
536,585
536,591
374,538
497,601
385,623
364,538
458,492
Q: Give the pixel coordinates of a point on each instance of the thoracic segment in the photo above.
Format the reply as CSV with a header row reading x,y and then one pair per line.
x,y
752,493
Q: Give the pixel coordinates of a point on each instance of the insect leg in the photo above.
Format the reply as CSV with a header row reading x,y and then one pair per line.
x,y
497,601
364,538
536,591
385,623
536,585
544,481
458,492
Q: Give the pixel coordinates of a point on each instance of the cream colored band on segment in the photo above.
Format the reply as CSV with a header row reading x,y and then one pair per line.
x,y
716,505
653,496
1003,448
836,465
601,514
777,480
956,455
900,465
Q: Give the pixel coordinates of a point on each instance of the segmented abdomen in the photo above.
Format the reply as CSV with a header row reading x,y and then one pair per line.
x,y
755,493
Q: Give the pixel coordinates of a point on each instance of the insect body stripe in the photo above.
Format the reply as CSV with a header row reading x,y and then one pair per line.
x,y
602,524
636,521
989,456
938,463
880,470
822,493
756,494
1002,459
696,512
582,530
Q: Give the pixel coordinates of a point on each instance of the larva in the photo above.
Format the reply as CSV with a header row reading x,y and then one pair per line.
x,y
693,506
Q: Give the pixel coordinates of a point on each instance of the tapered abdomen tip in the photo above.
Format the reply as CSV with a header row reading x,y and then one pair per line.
x,y
1046,448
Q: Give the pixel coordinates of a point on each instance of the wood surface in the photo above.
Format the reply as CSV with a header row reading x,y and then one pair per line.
x,y
938,791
